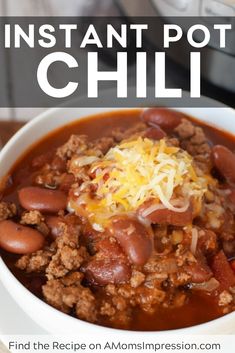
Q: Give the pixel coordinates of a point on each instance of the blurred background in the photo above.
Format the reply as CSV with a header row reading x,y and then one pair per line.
x,y
43,8
218,70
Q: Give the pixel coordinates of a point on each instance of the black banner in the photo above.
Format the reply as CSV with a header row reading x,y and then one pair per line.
x,y
52,61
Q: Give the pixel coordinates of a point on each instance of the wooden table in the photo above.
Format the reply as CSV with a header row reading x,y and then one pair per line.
x,y
7,129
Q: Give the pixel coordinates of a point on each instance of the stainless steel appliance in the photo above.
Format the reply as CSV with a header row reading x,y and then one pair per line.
x,y
218,66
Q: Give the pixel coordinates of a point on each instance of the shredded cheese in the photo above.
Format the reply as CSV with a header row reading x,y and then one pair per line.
x,y
135,171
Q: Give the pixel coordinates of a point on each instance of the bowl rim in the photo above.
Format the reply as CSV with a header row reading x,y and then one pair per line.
x,y
7,277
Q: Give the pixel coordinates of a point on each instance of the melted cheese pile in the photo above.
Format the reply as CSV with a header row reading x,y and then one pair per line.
x,y
135,171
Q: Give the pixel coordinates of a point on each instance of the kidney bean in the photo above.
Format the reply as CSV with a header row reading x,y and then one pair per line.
x,y
229,248
66,182
166,119
165,216
108,270
232,264
109,265
228,222
90,233
44,200
110,249
224,160
19,239
53,222
155,133
133,238
199,272
222,271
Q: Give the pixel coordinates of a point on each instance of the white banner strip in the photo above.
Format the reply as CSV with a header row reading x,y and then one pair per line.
x,y
150,343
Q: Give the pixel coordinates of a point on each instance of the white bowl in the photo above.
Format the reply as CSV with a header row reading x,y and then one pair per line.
x,y
47,317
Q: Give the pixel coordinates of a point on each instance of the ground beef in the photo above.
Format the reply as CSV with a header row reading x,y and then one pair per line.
x,y
36,262
142,296
53,293
68,293
32,218
185,130
86,305
214,214
225,298
35,218
47,178
52,178
178,268
107,309
147,298
194,141
124,298
64,261
104,144
70,231
7,210
126,291
75,144
119,303
120,134
155,279
94,149
69,255
137,278
207,241
117,310
63,256
184,256
79,173
172,141
159,264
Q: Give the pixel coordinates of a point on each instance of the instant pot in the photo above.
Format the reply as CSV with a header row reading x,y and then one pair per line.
x,y
218,66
